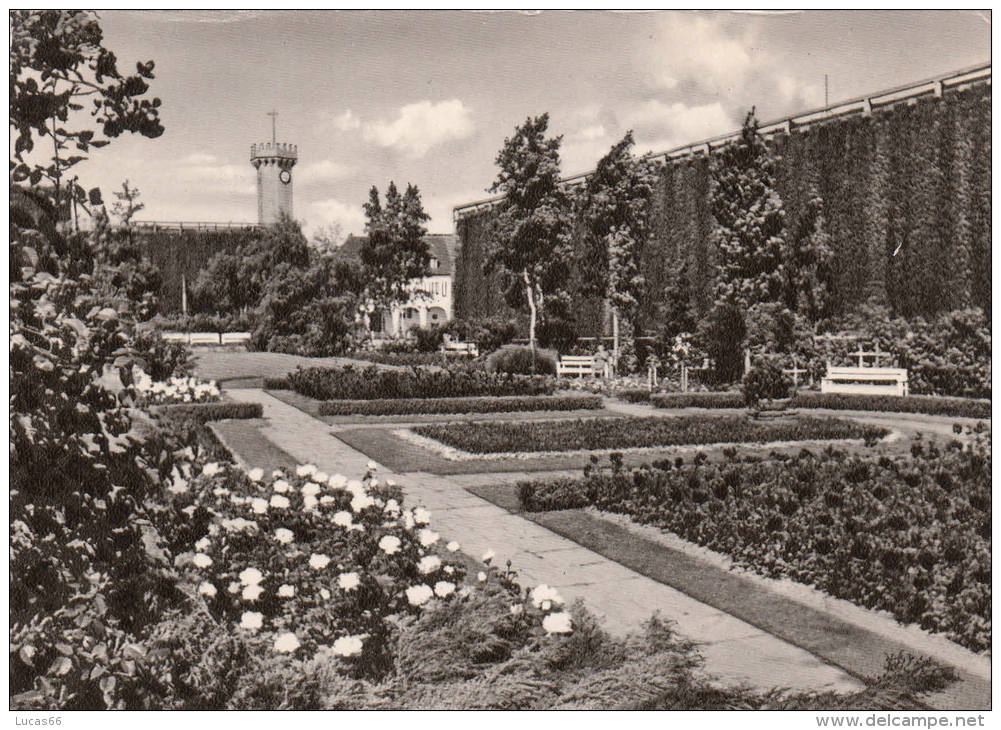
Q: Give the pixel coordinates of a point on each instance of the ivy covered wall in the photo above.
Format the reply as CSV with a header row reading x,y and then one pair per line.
x,y
907,198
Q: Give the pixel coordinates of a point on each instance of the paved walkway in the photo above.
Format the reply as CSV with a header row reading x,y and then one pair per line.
x,y
735,651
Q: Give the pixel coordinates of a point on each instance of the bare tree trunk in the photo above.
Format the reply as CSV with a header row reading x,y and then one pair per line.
x,y
532,314
615,335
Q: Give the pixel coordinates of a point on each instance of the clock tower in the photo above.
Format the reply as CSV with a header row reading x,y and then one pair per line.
x,y
274,162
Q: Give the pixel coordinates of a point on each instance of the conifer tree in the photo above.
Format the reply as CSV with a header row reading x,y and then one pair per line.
x,y
749,218
807,261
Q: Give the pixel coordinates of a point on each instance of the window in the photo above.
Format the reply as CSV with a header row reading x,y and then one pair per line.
x,y
433,263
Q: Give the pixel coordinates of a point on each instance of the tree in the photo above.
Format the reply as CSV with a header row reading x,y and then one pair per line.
x,y
807,262
327,239
530,237
395,252
614,206
749,220
128,204
57,64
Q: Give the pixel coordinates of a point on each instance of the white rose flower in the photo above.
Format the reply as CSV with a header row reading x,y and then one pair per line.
x,y
234,587
389,544
429,564
546,605
201,560
309,502
337,481
558,623
277,474
256,474
260,506
251,620
203,544
408,520
279,502
372,466
517,609
318,561
281,486
427,537
320,476
207,589
284,535
481,576
543,593
448,569
286,643
252,592
343,518
286,591
452,546
422,516
443,589
179,486
310,489
324,594
305,470
390,483
348,581
392,507
419,595
327,499
251,577
348,646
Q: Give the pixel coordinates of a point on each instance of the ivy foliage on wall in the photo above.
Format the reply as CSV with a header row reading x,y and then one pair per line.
x,y
906,202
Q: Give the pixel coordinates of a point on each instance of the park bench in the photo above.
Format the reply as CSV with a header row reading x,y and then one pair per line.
x,y
865,379
579,365
204,338
462,349
175,337
235,338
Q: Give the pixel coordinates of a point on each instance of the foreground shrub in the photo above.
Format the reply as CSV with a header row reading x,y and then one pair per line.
x,y
911,536
159,359
369,383
626,433
518,360
698,400
486,404
765,381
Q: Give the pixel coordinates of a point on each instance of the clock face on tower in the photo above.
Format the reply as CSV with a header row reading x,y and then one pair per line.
x,y
285,176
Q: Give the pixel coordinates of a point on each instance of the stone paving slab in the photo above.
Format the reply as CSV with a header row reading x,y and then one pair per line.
x,y
623,598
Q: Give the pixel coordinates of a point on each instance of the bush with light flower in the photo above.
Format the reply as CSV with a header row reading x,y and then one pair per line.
x,y
176,389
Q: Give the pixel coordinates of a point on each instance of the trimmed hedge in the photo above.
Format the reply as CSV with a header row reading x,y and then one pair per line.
x,y
698,400
909,535
211,411
485,404
927,404
634,395
374,383
628,433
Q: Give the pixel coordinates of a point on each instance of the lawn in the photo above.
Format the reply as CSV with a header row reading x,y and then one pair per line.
x,y
628,433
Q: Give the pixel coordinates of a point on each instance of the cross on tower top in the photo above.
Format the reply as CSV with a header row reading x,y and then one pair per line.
x,y
274,116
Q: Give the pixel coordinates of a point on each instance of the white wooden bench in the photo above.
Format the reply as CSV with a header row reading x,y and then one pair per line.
x,y
579,365
204,338
463,349
865,381
175,337
235,338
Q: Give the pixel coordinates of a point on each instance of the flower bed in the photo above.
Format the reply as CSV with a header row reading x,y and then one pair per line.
x,y
204,412
625,433
371,383
931,405
183,389
485,404
911,536
451,361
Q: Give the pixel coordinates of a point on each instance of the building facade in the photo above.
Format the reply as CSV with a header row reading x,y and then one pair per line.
x,y
431,297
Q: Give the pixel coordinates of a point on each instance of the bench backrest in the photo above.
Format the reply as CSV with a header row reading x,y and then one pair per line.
x,y
229,338
576,360
204,338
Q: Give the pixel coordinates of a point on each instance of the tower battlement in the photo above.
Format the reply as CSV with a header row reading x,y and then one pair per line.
x,y
274,149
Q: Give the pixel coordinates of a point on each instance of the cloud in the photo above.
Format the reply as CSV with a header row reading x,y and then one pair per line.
x,y
199,158
323,171
420,126
201,173
347,121
659,126
351,218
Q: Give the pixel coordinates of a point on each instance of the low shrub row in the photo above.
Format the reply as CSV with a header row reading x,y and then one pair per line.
x,y
626,433
369,383
910,535
204,412
485,404
634,395
927,404
451,362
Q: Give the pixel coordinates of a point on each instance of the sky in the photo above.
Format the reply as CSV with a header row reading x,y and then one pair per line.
x,y
428,97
